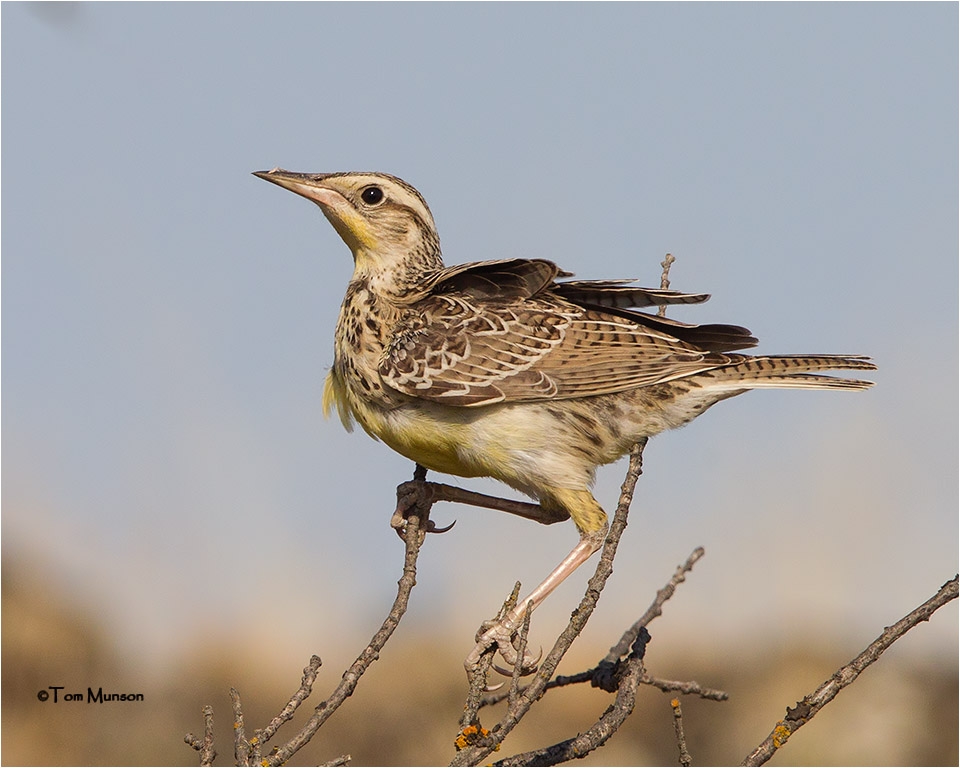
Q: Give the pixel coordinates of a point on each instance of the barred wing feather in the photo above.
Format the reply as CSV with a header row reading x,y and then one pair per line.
x,y
465,353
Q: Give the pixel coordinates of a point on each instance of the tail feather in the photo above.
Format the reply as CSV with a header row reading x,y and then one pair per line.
x,y
791,372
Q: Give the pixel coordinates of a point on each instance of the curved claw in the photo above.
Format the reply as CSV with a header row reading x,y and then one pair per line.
x,y
432,527
401,527
528,666
492,688
524,671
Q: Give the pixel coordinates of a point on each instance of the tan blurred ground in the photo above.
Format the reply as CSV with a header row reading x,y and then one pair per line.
x,y
405,710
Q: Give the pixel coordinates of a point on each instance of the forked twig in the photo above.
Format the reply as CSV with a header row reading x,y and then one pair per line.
x,y
656,607
608,724
249,752
205,745
254,747
413,538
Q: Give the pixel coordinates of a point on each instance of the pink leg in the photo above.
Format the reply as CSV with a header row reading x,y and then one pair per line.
x,y
502,632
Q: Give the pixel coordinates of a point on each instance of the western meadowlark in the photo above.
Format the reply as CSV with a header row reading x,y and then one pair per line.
x,y
497,369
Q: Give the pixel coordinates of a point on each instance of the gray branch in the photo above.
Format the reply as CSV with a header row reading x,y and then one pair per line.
x,y
811,704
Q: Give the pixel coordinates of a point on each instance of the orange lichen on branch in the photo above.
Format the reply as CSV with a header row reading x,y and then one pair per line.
x,y
780,734
470,736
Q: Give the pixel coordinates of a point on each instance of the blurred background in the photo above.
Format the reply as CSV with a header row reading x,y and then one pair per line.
x,y
178,517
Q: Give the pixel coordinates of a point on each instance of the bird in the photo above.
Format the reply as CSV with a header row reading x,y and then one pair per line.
x,y
509,369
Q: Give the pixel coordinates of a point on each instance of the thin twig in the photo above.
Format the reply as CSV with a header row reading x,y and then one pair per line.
x,y
477,752
685,760
413,538
809,706
205,745
689,687
514,689
656,607
342,760
241,747
303,692
608,724
665,280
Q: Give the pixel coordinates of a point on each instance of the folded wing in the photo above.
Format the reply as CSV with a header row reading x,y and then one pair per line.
x,y
457,351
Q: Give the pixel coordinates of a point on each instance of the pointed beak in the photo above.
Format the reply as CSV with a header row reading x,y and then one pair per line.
x,y
340,212
308,185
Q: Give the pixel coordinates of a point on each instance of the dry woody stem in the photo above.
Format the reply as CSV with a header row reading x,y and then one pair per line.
x,y
807,707
249,752
414,536
608,724
685,759
205,745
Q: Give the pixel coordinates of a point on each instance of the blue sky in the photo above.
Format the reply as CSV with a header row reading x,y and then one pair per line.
x,y
168,318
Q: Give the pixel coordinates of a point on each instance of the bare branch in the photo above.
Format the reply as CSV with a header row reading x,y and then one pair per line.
x,y
241,747
665,280
514,689
656,607
608,724
205,745
685,759
809,706
690,687
310,671
413,537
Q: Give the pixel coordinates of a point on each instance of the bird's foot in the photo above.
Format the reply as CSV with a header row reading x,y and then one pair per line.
x,y
503,635
414,495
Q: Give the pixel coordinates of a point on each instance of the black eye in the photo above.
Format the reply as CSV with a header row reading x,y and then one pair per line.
x,y
372,195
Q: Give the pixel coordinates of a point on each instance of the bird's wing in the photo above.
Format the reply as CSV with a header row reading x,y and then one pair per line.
x,y
619,293
524,278
713,337
499,279
452,349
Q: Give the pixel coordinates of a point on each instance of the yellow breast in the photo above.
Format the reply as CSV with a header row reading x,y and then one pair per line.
x,y
419,436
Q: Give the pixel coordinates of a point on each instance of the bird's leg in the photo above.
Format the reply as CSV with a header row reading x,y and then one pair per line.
x,y
501,633
419,491
591,521
525,509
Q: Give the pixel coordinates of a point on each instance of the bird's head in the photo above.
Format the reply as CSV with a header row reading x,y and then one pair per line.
x,y
385,221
